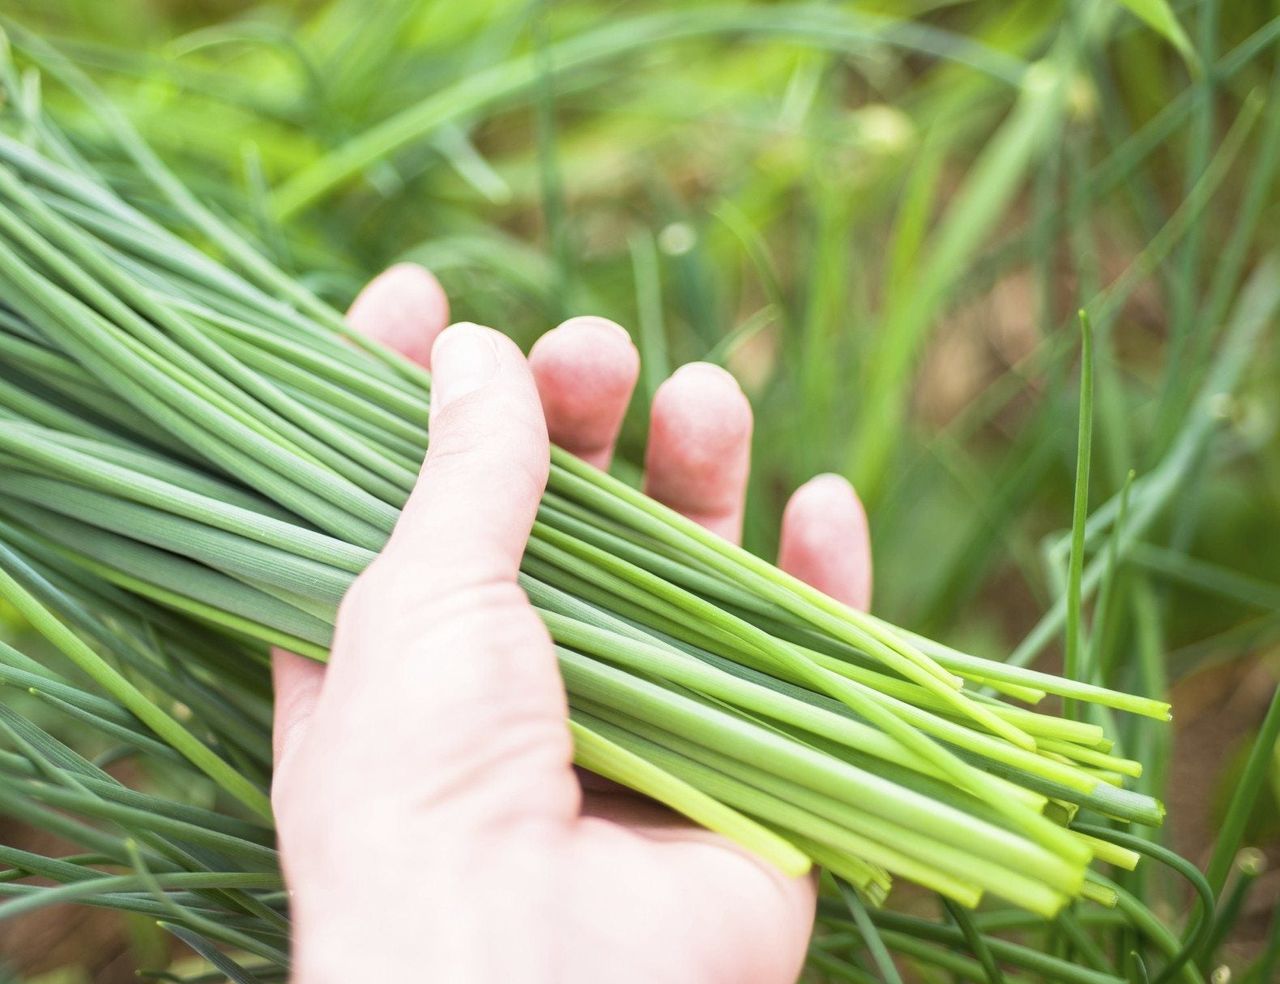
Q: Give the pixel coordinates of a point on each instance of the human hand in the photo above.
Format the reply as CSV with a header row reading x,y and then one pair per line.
x,y
430,822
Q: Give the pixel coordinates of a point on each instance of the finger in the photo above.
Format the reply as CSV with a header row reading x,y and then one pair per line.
x,y
405,308
296,681
585,370
487,466
436,647
825,540
466,522
700,447
464,527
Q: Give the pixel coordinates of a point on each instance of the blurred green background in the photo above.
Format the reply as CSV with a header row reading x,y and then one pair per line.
x,y
883,217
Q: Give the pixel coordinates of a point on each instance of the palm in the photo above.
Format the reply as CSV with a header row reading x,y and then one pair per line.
x,y
721,914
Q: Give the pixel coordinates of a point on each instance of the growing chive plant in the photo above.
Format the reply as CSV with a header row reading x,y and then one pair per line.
x,y
197,457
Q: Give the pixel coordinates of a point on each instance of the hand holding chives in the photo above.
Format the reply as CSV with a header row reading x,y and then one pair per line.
x,y
441,720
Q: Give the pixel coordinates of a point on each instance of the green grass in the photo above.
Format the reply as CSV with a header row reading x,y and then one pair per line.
x,y
886,233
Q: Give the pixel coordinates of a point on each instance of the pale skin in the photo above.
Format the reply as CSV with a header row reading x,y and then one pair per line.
x,y
431,824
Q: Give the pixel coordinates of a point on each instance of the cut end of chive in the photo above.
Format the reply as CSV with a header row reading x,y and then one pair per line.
x,y
1100,894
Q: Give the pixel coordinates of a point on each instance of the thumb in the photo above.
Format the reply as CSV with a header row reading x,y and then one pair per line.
x,y
437,650
486,469
405,308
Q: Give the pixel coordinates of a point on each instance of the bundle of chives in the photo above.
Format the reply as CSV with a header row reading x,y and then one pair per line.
x,y
212,438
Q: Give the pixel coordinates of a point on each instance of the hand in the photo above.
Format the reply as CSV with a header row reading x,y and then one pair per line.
x,y
430,822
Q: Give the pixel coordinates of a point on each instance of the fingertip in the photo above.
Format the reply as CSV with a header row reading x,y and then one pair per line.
x,y
404,308
585,370
700,447
704,389
449,337
828,487
468,357
826,541
591,326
